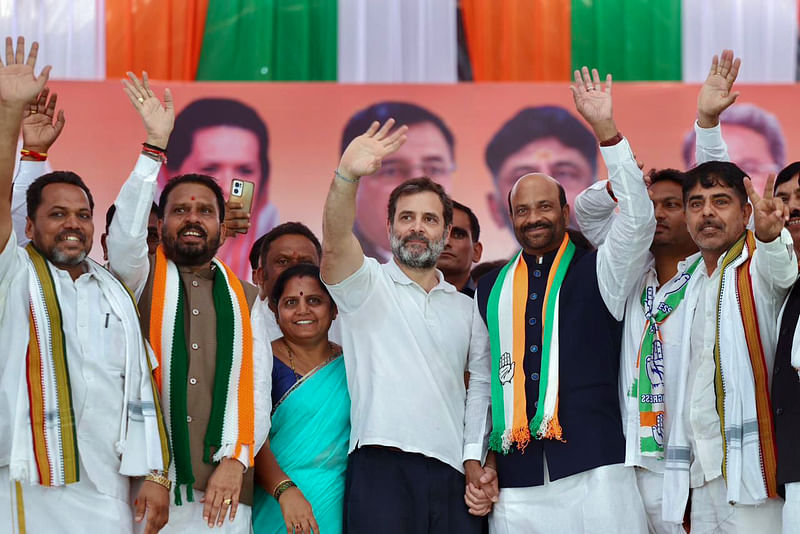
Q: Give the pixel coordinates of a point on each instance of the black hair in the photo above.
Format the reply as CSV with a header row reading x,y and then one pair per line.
x,y
295,271
112,209
202,179
474,225
534,123
287,228
403,112
714,173
33,195
255,252
787,173
562,198
210,112
665,175
421,185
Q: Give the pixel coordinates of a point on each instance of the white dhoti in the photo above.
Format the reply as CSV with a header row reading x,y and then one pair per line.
x,y
791,509
78,507
711,512
601,500
188,517
651,488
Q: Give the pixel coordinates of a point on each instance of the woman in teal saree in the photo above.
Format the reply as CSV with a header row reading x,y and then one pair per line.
x,y
300,471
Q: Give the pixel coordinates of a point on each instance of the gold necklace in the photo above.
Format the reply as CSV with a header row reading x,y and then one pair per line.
x,y
290,352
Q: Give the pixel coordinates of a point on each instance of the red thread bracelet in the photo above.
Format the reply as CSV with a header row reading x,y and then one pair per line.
x,y
38,156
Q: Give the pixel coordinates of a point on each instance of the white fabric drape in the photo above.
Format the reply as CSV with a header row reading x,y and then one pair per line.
x,y
388,41
71,34
762,32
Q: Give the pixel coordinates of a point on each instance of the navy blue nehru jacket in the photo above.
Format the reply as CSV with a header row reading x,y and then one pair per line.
x,y
588,400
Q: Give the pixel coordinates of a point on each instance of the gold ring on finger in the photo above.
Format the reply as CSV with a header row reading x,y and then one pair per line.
x,y
226,502
140,99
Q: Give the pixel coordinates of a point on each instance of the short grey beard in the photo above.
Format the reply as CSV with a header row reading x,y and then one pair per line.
x,y
423,260
59,258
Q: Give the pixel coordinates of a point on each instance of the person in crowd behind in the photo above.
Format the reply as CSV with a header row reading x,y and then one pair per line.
x,y
226,139
254,257
554,390
483,268
463,248
286,245
90,419
408,337
785,383
152,230
649,361
429,151
214,367
300,472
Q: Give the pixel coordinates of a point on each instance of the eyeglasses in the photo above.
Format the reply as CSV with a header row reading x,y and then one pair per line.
x,y
395,170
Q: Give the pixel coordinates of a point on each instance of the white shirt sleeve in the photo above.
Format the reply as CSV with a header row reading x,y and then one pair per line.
x,y
351,292
262,375
477,417
594,211
774,267
623,256
127,234
27,173
709,145
10,261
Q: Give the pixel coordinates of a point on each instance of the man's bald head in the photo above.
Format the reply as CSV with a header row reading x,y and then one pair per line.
x,y
534,178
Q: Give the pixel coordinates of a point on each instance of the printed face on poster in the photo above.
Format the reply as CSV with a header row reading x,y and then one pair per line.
x,y
474,139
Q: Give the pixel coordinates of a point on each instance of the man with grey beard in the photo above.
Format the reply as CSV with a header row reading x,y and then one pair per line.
x,y
407,337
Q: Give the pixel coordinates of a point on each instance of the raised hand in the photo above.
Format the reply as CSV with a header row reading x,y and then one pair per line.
x,y
593,102
158,118
39,132
769,212
364,154
19,85
715,94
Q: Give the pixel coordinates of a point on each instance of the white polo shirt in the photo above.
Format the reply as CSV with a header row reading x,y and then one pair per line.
x,y
406,351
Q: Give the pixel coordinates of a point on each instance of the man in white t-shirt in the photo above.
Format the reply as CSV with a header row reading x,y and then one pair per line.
x,y
408,337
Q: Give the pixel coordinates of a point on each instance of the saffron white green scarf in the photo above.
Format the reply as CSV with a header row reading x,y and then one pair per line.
x,y
231,424
506,321
648,387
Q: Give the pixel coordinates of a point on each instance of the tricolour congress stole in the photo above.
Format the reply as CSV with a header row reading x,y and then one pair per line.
x,y
648,388
55,444
506,320
231,424
747,307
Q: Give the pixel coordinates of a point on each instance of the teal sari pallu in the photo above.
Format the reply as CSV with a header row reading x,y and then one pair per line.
x,y
309,437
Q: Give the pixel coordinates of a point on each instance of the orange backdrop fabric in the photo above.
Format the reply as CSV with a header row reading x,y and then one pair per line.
x,y
164,37
518,40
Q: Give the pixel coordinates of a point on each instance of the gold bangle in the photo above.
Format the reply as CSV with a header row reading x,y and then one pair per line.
x,y
282,487
159,479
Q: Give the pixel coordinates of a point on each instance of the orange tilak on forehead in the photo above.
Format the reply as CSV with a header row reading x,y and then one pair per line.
x,y
545,154
192,198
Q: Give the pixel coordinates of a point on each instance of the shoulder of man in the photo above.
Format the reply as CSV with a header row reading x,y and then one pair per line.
x,y
250,292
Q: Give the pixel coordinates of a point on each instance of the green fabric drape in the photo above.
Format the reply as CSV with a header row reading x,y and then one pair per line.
x,y
632,39
269,40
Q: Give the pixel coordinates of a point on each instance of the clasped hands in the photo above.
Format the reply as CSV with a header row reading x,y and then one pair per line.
x,y
481,487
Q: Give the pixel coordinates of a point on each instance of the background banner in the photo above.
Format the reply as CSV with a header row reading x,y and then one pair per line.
x,y
475,139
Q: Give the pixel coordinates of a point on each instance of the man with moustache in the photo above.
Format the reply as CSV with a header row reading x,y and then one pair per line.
x,y
785,383
462,250
214,378
408,336
79,415
724,451
651,343
554,315
287,244
429,151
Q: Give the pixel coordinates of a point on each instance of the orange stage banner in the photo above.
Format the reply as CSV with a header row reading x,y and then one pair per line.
x,y
476,139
